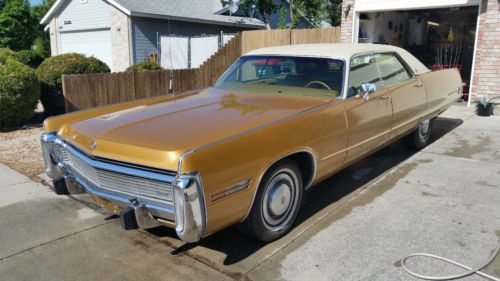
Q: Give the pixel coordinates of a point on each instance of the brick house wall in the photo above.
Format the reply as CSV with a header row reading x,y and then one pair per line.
x,y
486,72
486,79
346,22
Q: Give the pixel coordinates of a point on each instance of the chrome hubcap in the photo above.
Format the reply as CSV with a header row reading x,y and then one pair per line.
x,y
280,200
423,129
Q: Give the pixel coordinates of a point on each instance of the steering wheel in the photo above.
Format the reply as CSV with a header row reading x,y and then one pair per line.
x,y
320,83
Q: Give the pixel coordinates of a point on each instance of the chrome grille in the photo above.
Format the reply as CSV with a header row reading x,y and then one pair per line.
x,y
117,182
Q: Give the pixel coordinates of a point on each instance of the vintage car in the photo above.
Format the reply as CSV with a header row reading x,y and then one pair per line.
x,y
277,122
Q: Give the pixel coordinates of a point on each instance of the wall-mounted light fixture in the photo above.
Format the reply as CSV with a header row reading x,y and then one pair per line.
x,y
346,9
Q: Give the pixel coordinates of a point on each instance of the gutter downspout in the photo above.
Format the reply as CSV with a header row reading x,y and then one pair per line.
x,y
130,41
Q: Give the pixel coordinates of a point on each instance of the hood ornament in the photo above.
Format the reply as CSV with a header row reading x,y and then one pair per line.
x,y
93,146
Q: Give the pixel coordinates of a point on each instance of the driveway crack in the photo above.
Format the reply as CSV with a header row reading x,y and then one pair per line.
x,y
52,241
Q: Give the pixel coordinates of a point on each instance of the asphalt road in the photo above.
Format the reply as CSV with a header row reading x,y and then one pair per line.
x,y
356,225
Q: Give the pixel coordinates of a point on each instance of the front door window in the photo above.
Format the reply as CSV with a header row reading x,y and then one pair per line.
x,y
363,70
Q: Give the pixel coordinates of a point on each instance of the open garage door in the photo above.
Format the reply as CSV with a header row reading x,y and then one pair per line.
x,y
95,43
439,37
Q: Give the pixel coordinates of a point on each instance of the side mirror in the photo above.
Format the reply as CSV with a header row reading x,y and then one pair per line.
x,y
367,89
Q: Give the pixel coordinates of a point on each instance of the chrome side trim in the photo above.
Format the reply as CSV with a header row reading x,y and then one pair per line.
x,y
406,123
334,154
223,193
365,141
183,155
315,163
187,152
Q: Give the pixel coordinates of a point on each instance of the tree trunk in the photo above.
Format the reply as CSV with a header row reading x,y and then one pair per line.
x,y
266,20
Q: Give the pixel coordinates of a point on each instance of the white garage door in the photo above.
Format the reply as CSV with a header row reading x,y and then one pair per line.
x,y
95,43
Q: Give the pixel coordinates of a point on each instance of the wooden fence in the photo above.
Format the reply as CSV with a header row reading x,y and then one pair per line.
x,y
90,90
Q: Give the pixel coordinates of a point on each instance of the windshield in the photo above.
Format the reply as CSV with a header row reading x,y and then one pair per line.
x,y
297,76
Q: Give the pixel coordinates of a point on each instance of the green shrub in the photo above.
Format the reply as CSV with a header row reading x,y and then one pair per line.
x,y
144,66
50,75
30,58
6,52
19,92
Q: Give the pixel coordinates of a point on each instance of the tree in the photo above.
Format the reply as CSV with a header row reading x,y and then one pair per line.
x,y
334,12
308,10
17,27
282,18
316,11
42,41
264,7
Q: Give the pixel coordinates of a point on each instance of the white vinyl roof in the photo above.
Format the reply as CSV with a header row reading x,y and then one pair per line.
x,y
342,51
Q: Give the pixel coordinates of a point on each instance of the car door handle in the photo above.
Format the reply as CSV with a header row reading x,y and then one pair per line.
x,y
384,98
419,85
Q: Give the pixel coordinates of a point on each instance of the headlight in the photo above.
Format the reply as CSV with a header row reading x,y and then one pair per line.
x,y
57,154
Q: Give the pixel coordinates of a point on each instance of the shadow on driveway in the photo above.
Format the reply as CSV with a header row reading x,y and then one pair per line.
x,y
238,247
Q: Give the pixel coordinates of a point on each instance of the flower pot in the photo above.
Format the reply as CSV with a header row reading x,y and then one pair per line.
x,y
484,110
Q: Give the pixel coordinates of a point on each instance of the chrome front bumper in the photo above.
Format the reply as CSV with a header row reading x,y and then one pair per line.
x,y
182,201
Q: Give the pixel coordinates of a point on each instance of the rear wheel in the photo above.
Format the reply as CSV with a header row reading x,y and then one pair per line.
x,y
420,137
276,203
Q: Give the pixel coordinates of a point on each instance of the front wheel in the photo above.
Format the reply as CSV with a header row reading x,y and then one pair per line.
x,y
276,203
420,137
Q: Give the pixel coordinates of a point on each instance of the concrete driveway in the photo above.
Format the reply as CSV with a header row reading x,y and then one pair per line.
x,y
354,226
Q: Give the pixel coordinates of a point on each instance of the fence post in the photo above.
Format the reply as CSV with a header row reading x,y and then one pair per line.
x,y
189,52
66,92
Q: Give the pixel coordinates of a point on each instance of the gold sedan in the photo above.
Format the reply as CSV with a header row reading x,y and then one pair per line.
x,y
278,121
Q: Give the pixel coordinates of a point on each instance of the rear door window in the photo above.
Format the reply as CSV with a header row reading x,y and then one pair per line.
x,y
391,68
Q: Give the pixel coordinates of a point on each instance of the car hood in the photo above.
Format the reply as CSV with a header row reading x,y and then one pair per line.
x,y
156,134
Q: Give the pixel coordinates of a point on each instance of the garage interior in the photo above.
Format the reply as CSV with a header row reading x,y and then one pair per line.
x,y
440,38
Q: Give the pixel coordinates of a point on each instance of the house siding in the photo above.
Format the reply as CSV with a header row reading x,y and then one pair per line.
x,y
144,33
84,15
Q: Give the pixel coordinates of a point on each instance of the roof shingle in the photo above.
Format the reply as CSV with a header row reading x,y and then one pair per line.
x,y
188,10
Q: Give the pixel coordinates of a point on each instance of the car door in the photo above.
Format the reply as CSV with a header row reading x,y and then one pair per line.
x,y
368,116
406,91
